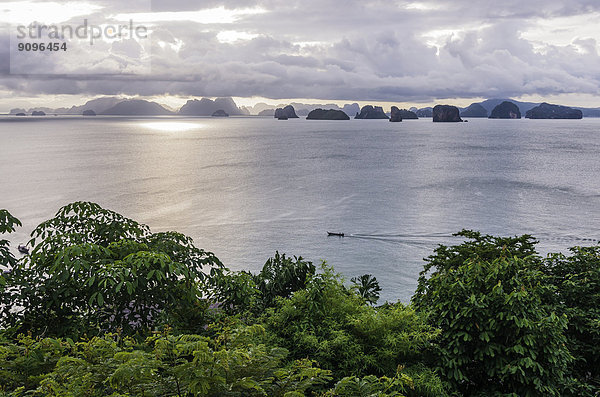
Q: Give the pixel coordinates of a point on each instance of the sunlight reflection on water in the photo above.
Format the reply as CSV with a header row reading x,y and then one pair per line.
x,y
171,126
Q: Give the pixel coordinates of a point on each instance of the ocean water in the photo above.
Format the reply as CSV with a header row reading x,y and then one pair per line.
x,y
246,187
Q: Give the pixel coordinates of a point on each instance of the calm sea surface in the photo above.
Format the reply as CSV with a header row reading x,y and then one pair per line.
x,y
245,187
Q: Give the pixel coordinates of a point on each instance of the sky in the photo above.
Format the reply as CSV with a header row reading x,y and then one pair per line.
x,y
393,51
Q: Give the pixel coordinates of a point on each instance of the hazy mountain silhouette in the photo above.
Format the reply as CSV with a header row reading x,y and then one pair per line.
x,y
206,107
137,107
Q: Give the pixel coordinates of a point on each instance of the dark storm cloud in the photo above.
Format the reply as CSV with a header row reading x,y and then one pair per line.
x,y
355,50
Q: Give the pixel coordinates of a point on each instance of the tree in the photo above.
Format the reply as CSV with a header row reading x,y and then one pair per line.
x,y
237,292
92,270
368,288
476,246
331,324
498,333
8,224
576,279
281,276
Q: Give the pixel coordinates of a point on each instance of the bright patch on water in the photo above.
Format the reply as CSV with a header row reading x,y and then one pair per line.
x,y
171,126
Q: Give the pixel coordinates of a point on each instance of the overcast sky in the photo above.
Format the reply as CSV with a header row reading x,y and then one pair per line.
x,y
326,50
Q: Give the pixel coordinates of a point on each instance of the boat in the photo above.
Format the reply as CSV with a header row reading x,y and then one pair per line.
x,y
335,234
23,249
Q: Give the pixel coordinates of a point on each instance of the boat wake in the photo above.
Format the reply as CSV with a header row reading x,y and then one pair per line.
x,y
417,239
428,239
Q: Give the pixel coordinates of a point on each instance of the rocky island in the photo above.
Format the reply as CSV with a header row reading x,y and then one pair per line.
x,y
408,114
331,114
506,110
38,113
395,115
206,107
371,112
446,114
287,112
220,113
88,112
548,111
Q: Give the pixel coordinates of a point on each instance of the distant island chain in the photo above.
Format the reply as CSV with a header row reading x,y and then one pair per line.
x,y
225,107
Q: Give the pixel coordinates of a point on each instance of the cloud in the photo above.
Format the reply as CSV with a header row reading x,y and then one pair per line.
x,y
356,50
219,15
49,12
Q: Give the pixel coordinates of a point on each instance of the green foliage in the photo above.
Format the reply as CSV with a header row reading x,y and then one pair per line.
x,y
332,325
371,386
8,224
92,270
576,279
476,247
566,285
84,222
498,334
402,384
238,292
367,287
281,276
233,292
153,315
164,365
24,362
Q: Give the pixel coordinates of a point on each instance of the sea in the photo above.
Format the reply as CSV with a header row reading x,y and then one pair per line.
x,y
246,187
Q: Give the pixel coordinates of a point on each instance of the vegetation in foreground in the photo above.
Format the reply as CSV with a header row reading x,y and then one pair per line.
x,y
105,307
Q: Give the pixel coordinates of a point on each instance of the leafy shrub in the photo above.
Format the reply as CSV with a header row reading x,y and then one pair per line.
x,y
332,325
475,247
164,365
93,270
26,360
576,279
281,276
499,335
8,224
233,292
370,385
424,383
367,287
242,291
